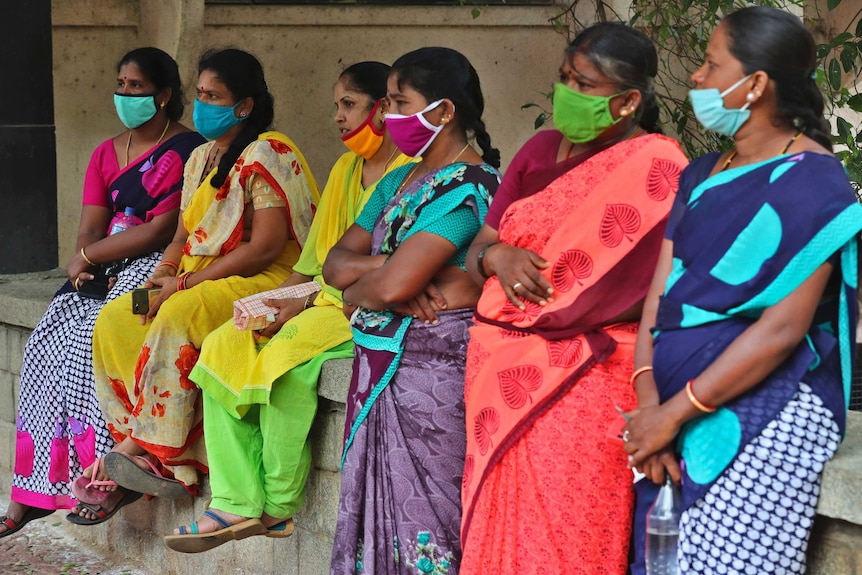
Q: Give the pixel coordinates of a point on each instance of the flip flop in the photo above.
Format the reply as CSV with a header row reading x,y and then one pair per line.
x,y
103,515
32,513
81,487
195,542
281,530
122,469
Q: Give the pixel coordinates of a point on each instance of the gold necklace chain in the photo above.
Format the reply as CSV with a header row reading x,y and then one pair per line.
x,y
410,173
784,151
159,141
389,159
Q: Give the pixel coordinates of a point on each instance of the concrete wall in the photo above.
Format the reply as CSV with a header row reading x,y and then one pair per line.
x,y
303,49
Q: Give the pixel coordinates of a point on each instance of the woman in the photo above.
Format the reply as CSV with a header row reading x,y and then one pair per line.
x,y
752,325
567,270
404,436
60,426
259,406
247,203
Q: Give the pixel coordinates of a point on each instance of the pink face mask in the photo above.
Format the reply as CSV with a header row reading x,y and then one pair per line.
x,y
413,134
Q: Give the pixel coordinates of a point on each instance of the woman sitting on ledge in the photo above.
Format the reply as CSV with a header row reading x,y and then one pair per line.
x,y
247,207
60,426
259,406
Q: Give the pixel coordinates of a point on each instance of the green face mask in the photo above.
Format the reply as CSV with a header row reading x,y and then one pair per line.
x,y
582,117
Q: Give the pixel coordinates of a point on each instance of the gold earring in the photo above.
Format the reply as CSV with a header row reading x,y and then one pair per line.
x,y
162,105
624,113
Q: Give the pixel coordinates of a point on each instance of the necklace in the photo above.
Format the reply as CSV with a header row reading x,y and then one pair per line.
x,y
784,151
389,159
159,141
410,173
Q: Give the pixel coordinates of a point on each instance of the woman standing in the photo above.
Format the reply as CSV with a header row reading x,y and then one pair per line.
x,y
404,437
60,426
259,406
246,209
545,490
752,308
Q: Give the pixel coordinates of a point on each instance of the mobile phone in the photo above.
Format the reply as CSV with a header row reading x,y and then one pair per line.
x,y
143,298
96,288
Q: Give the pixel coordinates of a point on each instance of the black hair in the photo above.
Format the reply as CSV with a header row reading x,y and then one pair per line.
x,y
367,78
776,42
627,57
439,73
242,74
160,69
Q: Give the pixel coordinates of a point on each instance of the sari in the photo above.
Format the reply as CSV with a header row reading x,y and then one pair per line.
x,y
60,429
142,371
260,398
762,453
399,509
542,383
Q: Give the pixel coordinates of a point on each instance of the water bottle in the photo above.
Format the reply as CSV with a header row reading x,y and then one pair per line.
x,y
124,222
662,528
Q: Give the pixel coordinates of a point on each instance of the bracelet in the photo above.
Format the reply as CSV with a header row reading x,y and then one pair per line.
x,y
86,259
638,372
701,406
181,281
480,260
168,263
309,301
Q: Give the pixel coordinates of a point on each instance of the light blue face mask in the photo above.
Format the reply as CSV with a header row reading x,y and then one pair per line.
x,y
135,110
708,106
212,121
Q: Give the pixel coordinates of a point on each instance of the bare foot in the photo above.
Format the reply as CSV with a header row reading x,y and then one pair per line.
x,y
128,447
208,524
89,511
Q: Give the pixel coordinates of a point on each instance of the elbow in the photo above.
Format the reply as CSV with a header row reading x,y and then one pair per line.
x,y
332,277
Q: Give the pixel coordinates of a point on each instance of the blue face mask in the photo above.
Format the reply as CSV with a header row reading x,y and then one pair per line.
x,y
213,121
708,106
135,110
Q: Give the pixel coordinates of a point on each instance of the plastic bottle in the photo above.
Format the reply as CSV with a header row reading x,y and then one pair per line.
x,y
662,528
124,222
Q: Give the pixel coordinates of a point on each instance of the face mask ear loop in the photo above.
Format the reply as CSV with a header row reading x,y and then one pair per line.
x,y
735,86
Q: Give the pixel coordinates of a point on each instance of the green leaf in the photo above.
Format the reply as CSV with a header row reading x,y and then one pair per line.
x,y
848,57
843,129
834,74
840,39
475,12
822,50
540,121
530,105
859,29
855,102
833,4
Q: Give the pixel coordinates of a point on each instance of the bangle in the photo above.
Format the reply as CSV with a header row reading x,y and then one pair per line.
x,y
168,263
309,301
181,281
86,259
701,406
480,260
639,371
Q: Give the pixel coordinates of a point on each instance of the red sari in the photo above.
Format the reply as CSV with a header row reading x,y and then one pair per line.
x,y
544,488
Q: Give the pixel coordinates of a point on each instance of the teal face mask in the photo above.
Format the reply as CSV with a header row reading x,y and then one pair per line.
x,y
708,106
213,121
582,117
135,110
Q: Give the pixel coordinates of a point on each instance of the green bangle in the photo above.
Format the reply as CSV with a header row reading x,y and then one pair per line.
x,y
480,260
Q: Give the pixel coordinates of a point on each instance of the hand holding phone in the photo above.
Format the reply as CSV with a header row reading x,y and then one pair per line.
x,y
143,298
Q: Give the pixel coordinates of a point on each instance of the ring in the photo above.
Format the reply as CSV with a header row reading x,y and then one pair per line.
x,y
516,286
626,436
75,283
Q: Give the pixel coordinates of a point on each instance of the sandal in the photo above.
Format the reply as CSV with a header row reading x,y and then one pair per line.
x,y
81,487
101,513
32,513
281,530
122,469
195,542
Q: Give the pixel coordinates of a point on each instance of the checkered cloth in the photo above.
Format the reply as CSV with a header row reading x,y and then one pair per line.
x,y
251,313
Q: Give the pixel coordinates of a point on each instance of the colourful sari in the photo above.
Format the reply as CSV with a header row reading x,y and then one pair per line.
x,y
763,452
400,509
142,371
542,383
60,426
260,399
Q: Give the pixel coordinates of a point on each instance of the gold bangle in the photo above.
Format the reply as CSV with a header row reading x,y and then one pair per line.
x,y
75,283
638,372
86,259
691,397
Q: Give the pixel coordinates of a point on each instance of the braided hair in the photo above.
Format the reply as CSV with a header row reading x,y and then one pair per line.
x,y
439,73
627,57
769,39
242,74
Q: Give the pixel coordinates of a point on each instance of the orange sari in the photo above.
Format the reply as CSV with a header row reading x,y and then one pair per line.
x,y
544,488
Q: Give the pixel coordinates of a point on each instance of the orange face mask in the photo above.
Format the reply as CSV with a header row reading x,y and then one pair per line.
x,y
366,139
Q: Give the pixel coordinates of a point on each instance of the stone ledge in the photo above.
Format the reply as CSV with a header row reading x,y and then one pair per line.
x,y
25,297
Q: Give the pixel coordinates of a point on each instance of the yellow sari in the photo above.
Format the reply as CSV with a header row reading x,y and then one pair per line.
x,y
142,371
